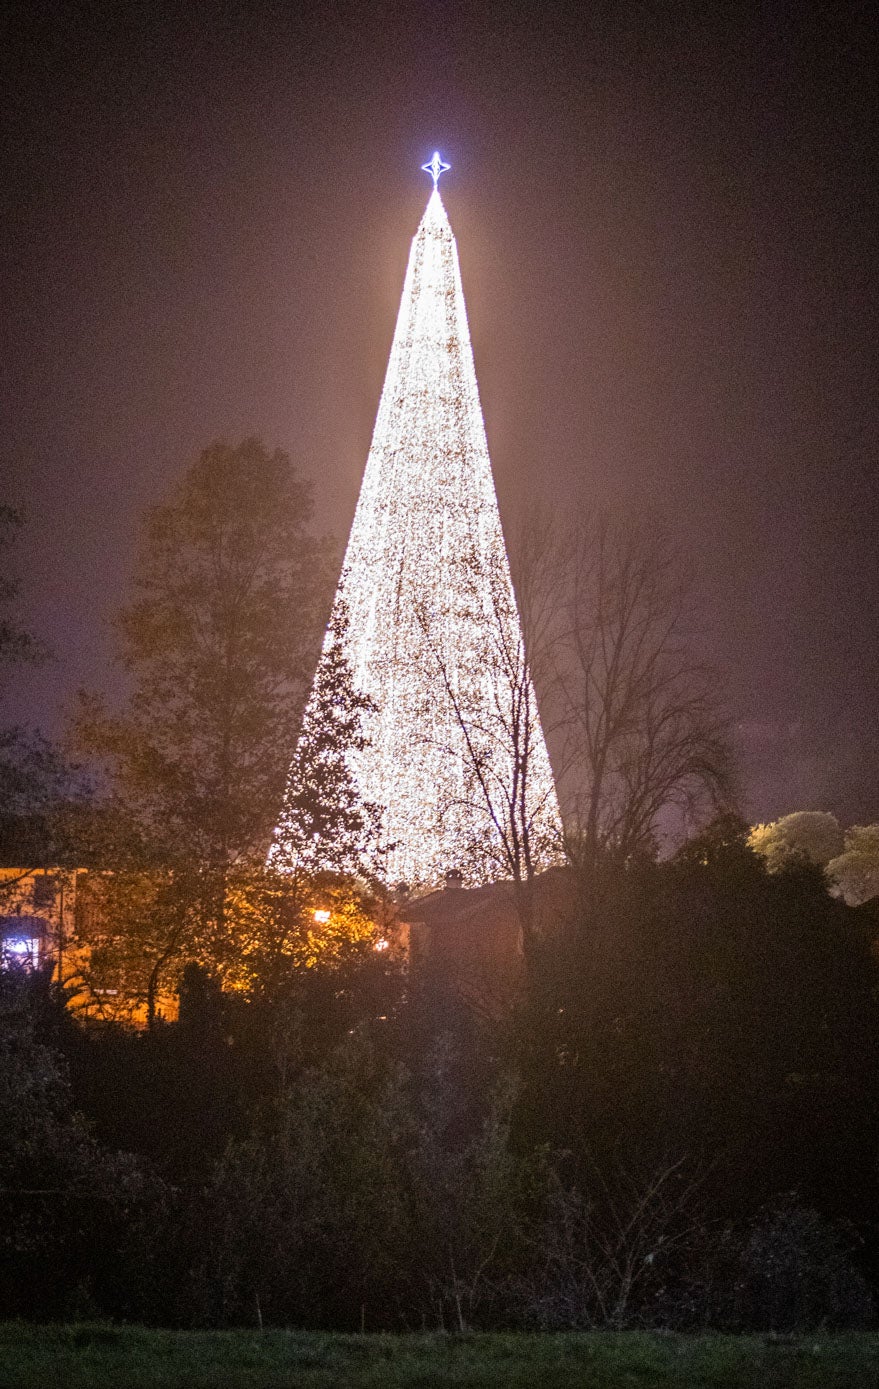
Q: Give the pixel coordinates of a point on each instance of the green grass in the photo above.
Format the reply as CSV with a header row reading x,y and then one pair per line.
x,y
103,1356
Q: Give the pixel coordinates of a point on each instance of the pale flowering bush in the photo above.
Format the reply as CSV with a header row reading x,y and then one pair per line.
x,y
806,836
854,874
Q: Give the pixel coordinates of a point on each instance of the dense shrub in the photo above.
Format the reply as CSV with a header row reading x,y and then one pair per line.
x,y
358,1201
793,1272
65,1202
788,1269
350,1152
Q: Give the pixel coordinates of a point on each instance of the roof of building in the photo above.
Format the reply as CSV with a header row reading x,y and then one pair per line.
x,y
458,904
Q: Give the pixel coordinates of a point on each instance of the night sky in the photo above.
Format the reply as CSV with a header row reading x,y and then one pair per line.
x,y
667,223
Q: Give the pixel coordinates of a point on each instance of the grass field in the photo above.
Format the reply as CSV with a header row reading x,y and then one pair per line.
x,y
97,1357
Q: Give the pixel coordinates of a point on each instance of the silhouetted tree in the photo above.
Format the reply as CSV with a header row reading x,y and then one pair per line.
x,y
218,644
38,793
503,771
635,715
324,824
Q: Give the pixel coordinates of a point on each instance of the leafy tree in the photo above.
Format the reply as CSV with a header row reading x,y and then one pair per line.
x,y
291,925
218,644
137,922
850,860
854,874
806,836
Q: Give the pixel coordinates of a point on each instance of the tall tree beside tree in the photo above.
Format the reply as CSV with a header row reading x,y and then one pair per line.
x,y
218,644
636,715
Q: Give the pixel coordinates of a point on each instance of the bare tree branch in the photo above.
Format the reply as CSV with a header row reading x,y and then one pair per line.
x,y
635,719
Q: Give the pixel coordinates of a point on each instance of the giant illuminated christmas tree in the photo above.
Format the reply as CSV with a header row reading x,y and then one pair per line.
x,y
453,751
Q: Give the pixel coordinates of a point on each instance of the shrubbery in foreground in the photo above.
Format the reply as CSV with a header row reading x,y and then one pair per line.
x,y
677,1128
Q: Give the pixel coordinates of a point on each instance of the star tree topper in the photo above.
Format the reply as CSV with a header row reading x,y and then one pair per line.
x,y
435,167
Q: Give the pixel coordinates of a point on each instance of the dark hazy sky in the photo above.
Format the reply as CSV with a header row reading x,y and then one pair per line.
x,y
667,222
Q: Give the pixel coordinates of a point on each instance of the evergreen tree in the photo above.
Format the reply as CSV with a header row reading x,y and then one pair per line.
x,y
324,824
315,899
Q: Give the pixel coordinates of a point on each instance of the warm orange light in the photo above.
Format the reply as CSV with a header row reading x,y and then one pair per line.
x,y
322,917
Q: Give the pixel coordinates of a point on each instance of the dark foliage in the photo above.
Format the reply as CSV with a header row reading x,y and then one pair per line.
x,y
679,1128
40,795
704,1007
66,1203
218,642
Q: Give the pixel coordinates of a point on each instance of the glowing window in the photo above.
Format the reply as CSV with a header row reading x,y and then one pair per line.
x,y
21,952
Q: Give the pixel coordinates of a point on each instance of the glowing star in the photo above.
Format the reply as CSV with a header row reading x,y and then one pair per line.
x,y
433,627
435,167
